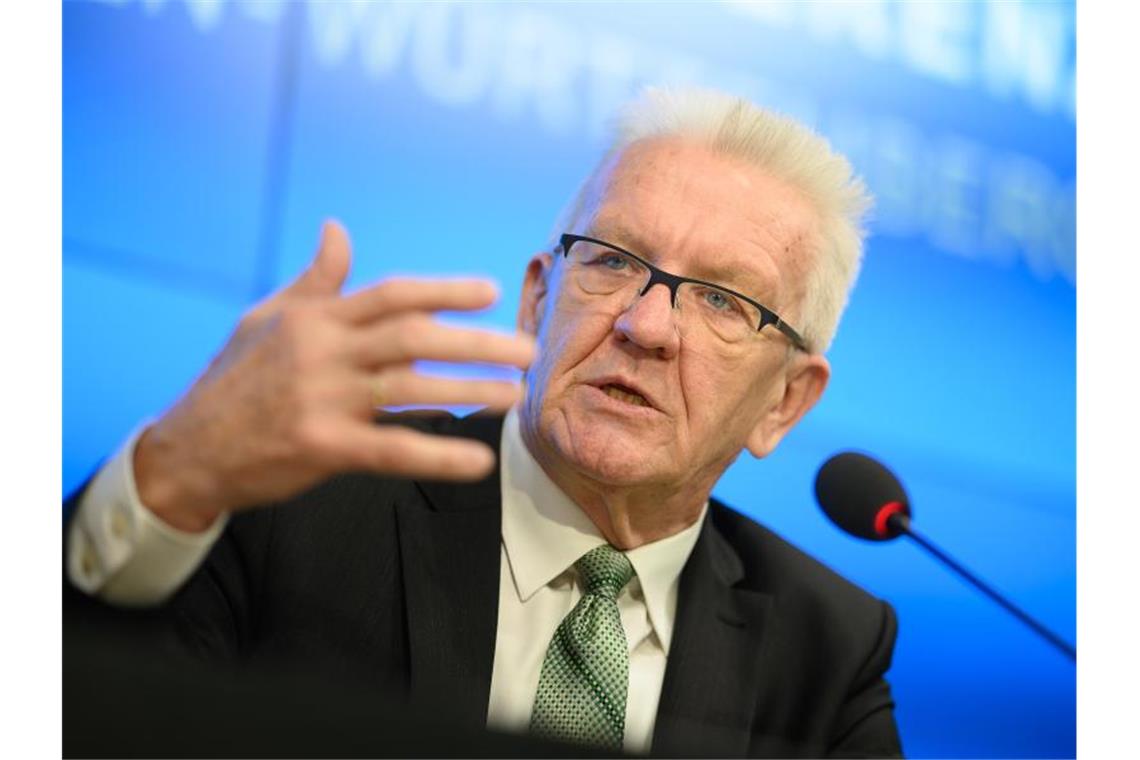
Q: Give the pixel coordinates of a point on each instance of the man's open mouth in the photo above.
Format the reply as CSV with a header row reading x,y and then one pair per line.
x,y
623,393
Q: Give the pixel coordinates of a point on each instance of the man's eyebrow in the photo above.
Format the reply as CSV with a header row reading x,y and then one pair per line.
x,y
624,236
620,234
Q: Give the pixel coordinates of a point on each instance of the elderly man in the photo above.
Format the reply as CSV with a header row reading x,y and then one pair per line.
x,y
582,585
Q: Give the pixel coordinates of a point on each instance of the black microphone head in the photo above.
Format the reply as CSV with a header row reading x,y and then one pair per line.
x,y
860,495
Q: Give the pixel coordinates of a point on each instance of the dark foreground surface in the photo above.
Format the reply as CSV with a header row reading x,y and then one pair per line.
x,y
122,701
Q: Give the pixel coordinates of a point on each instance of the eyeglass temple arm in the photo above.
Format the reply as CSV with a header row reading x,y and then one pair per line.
x,y
768,317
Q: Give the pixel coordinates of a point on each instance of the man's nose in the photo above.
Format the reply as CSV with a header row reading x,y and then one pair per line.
x,y
649,321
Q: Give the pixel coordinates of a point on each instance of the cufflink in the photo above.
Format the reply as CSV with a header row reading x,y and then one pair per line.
x,y
87,562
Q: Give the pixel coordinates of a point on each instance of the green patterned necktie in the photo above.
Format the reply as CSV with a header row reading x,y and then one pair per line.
x,y
585,676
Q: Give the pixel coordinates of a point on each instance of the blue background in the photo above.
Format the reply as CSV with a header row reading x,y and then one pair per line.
x,y
204,142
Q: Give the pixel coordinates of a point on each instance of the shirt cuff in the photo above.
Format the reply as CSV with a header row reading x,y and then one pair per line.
x,y
122,552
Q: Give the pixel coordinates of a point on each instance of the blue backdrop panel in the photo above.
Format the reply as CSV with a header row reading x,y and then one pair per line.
x,y
130,346
165,141
204,143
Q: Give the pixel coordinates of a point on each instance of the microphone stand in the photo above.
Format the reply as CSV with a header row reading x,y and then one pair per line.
x,y
901,524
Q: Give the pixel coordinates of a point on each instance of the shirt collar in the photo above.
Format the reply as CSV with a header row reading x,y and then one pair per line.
x,y
545,532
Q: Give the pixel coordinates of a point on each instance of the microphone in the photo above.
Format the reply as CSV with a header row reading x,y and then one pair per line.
x,y
865,499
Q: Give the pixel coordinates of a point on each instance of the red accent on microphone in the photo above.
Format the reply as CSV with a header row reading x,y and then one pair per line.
x,y
884,514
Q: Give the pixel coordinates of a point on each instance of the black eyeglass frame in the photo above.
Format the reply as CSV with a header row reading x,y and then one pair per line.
x,y
674,281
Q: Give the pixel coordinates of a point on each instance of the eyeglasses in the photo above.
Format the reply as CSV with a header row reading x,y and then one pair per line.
x,y
601,268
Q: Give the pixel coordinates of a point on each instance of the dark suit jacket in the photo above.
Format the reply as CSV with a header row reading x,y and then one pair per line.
x,y
396,583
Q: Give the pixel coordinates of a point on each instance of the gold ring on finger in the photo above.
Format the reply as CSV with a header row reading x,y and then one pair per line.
x,y
379,397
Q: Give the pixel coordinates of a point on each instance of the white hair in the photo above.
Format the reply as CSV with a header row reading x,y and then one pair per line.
x,y
786,149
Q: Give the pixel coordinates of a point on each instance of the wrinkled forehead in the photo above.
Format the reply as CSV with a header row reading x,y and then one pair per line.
x,y
698,209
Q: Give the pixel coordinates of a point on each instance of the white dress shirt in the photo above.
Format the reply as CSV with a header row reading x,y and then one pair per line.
x,y
126,555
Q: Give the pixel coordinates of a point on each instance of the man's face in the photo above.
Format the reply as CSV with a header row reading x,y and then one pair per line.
x,y
695,213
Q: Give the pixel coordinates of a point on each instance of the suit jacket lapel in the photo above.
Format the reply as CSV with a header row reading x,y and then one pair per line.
x,y
716,663
450,553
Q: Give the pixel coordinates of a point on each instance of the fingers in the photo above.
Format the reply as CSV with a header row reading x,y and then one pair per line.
x,y
328,270
417,336
401,452
402,294
401,386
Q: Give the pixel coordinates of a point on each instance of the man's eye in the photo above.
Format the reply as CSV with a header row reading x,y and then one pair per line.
x,y
719,301
612,261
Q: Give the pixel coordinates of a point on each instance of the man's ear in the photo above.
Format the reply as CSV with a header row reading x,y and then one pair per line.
x,y
536,283
806,378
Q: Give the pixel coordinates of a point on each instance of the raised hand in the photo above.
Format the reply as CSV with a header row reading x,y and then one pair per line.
x,y
290,399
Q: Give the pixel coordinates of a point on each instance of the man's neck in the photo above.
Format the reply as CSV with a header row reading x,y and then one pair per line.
x,y
628,522
627,516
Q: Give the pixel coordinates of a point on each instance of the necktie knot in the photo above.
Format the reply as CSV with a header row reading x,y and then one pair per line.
x,y
605,571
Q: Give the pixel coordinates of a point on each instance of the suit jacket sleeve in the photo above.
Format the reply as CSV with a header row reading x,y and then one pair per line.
x,y
865,726
212,614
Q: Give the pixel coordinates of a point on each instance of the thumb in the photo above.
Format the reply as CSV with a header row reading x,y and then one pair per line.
x,y
328,270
